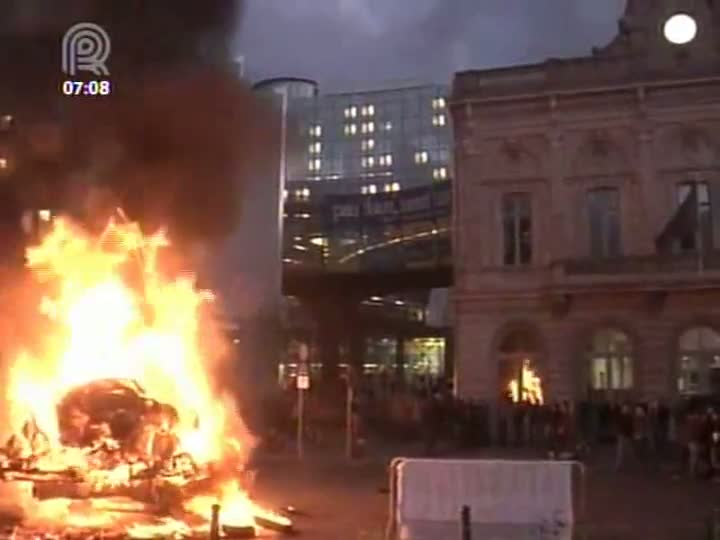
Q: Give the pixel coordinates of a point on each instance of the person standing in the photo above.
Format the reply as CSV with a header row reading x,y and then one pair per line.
x,y
623,435
641,433
696,439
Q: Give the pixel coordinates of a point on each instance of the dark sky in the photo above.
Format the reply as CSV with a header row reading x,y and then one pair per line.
x,y
352,43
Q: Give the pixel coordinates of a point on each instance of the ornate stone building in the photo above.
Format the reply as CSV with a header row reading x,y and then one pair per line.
x,y
587,223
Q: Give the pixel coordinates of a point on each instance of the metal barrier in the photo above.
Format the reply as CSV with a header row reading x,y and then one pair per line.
x,y
395,524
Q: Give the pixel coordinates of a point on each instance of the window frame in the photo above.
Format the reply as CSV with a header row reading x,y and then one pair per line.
x,y
619,361
704,210
516,215
704,355
603,207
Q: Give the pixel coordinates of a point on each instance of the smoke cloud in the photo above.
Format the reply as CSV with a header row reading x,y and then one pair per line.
x,y
174,144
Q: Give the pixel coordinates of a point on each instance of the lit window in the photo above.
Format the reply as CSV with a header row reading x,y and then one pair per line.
x,y
388,188
388,126
315,148
350,129
368,127
316,130
421,157
44,215
386,160
368,144
367,161
395,186
372,189
438,103
285,194
438,120
368,110
351,112
302,194
311,165
318,164
440,173
364,190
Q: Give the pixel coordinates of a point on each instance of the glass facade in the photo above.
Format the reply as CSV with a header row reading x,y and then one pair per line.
x,y
368,188
392,139
368,179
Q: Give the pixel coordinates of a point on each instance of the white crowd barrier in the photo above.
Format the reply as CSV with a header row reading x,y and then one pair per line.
x,y
508,500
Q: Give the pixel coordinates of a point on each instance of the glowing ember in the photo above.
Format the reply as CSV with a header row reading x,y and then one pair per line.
x,y
115,399
527,388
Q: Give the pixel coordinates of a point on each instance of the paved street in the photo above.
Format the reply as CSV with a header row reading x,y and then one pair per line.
x,y
345,501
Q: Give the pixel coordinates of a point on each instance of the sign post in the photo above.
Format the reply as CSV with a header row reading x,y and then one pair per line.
x,y
303,384
349,427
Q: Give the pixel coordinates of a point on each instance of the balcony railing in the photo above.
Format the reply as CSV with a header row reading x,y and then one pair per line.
x,y
646,265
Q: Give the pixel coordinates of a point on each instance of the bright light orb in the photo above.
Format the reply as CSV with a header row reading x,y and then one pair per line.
x,y
680,29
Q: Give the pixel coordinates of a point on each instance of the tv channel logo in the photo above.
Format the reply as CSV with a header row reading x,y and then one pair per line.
x,y
86,47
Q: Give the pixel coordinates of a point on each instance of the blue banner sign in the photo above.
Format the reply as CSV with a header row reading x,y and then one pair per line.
x,y
419,204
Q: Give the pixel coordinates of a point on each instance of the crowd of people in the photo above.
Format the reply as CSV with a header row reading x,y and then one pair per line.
x,y
683,434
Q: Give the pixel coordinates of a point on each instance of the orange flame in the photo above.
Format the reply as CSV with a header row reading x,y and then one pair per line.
x,y
527,388
100,329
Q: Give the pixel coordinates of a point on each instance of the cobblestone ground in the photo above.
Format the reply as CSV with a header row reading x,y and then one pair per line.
x,y
345,501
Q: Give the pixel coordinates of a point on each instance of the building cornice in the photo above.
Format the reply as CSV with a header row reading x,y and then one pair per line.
x,y
640,88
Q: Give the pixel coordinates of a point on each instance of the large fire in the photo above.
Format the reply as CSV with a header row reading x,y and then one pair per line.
x,y
114,406
527,387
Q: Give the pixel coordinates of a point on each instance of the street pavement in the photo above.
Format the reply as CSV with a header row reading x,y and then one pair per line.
x,y
342,500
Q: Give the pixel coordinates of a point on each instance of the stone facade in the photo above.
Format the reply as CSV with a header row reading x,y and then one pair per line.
x,y
640,115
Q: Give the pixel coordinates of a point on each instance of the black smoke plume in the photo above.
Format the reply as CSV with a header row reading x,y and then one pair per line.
x,y
174,143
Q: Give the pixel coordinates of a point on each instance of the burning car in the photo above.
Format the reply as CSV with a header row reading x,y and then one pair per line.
x,y
116,424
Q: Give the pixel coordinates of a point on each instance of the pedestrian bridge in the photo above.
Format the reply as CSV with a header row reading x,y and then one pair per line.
x,y
423,261
386,242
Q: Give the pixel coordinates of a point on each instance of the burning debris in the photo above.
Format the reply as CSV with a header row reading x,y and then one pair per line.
x,y
117,430
527,387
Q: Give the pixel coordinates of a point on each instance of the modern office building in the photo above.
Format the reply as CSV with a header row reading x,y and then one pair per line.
x,y
367,190
587,215
355,148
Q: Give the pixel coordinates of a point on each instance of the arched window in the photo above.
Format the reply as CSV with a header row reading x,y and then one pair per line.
x,y
699,361
611,360
518,342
